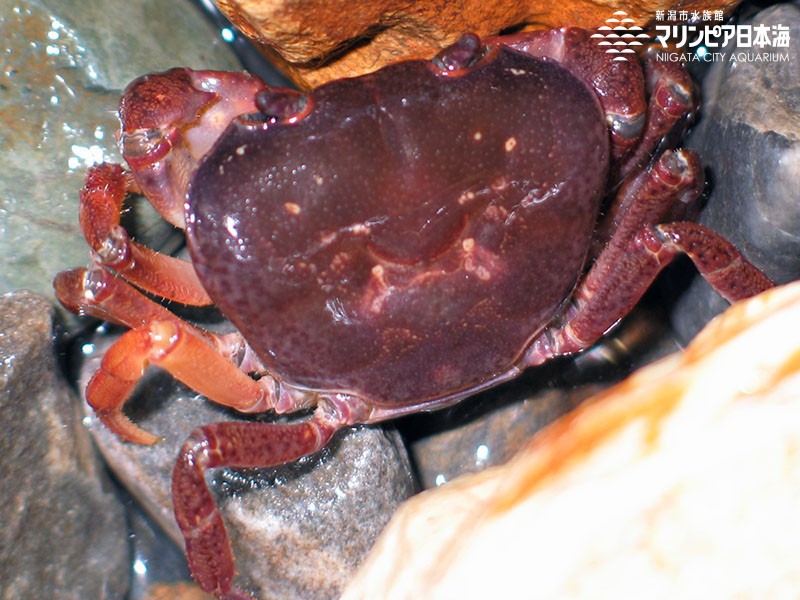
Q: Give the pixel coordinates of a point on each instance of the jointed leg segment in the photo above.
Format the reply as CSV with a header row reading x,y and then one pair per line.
x,y
157,336
101,200
237,445
641,245
176,347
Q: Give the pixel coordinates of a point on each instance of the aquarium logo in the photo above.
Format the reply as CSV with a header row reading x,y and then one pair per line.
x,y
691,36
620,36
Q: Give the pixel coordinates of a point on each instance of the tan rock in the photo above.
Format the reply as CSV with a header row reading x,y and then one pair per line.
x,y
318,40
681,482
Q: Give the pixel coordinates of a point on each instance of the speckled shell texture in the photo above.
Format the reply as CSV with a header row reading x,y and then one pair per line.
x,y
406,239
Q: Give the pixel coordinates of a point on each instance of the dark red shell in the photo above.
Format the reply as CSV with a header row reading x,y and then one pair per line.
x,y
407,238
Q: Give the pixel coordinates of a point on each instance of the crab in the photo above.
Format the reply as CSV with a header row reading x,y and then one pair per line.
x,y
386,244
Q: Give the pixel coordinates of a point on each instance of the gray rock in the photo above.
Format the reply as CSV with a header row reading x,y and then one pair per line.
x,y
492,438
298,531
489,429
64,66
159,565
749,138
64,532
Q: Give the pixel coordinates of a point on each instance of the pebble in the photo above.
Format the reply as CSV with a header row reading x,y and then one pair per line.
x,y
64,532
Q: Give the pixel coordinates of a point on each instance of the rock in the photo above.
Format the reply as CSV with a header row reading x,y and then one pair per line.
x,y
492,438
64,532
65,64
683,481
749,139
316,41
488,429
159,565
298,531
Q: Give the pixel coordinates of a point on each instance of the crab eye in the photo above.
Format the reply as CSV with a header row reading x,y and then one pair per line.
x,y
462,54
282,103
144,146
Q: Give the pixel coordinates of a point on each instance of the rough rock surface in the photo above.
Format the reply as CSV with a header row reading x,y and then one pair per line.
x,y
64,65
749,140
298,531
64,533
318,41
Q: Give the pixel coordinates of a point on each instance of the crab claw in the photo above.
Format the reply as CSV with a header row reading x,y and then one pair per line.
x,y
152,111
155,109
170,120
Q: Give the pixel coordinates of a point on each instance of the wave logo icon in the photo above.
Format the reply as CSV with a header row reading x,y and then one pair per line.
x,y
620,36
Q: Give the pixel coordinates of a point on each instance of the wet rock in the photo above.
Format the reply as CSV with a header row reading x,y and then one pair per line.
x,y
749,139
64,65
317,41
64,533
159,565
298,531
490,439
489,429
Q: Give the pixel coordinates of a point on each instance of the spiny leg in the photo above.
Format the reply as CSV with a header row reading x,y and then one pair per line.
x,y
101,199
669,110
237,445
638,250
666,191
99,293
159,337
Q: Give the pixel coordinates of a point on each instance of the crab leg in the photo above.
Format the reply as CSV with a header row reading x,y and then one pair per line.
x,y
101,199
639,249
238,445
159,337
670,110
176,347
652,249
100,294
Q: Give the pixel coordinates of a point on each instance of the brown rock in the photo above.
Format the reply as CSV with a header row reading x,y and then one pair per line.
x,y
317,40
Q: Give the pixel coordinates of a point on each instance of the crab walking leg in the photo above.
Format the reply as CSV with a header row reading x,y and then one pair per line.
x,y
101,198
608,296
639,248
100,294
237,445
671,108
667,191
176,347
